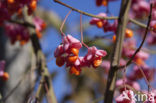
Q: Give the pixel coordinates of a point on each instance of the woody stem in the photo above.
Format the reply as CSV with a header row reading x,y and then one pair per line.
x,y
122,22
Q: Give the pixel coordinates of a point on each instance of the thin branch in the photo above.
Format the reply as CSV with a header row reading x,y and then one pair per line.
x,y
149,51
124,78
85,13
62,25
48,95
140,24
100,17
26,24
41,64
43,70
143,74
81,29
145,35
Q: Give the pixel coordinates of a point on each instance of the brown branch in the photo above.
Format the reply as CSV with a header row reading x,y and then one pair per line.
x,y
48,96
100,17
149,50
41,64
43,70
138,23
85,13
143,74
40,61
26,24
145,35
122,22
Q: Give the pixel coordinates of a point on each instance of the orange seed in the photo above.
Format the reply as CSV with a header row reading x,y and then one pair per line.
x,y
11,1
73,70
75,51
97,62
22,42
139,61
114,38
38,33
5,76
43,25
99,24
72,59
33,4
129,33
105,2
19,12
154,28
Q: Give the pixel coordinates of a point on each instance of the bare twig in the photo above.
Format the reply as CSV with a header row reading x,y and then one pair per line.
x,y
48,95
26,24
81,29
143,74
41,64
43,70
85,13
100,17
138,23
124,78
62,25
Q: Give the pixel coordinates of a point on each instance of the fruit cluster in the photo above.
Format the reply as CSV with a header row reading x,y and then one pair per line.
x,y
109,27
101,23
129,49
152,37
68,52
11,7
139,9
20,33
